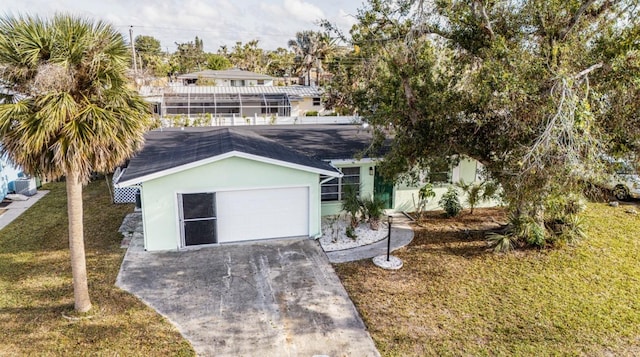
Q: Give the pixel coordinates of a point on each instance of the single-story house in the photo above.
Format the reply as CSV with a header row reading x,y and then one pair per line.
x,y
210,185
226,78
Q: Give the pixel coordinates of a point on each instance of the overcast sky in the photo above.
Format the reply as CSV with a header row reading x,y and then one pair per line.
x,y
217,22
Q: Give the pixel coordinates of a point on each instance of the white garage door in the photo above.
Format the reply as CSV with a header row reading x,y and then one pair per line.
x,y
262,214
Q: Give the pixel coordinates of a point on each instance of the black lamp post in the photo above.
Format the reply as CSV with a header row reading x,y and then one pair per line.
x,y
389,222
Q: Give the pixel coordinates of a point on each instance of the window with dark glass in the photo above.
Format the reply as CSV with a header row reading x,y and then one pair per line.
x,y
198,218
333,189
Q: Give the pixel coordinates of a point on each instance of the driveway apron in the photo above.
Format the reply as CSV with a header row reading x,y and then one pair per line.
x,y
270,298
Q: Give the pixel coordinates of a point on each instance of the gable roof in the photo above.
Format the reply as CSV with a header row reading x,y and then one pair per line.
x,y
170,151
225,74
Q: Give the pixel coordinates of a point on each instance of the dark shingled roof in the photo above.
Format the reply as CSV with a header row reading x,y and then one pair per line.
x,y
306,145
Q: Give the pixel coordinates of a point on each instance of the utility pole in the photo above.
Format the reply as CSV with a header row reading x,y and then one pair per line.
x,y
133,50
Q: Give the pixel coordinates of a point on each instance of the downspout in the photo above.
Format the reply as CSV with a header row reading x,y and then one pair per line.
x,y
317,236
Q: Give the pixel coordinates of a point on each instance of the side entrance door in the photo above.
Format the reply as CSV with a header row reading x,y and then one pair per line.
x,y
383,190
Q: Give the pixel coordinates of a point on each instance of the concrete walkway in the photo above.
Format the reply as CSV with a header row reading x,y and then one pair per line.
x,y
401,235
16,208
268,298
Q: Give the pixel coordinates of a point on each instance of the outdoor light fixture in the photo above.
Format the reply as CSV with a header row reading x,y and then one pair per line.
x,y
371,170
389,222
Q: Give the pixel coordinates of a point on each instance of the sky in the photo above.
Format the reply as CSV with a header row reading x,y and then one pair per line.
x,y
217,22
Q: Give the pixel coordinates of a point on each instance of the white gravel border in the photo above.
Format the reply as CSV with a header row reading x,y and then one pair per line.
x,y
394,262
334,235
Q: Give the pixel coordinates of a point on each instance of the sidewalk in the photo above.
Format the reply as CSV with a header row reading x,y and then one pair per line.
x,y
401,235
16,208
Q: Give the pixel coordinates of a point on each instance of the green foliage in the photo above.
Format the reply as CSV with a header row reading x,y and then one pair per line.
x,y
150,53
310,49
351,232
450,202
217,62
477,192
426,192
351,203
372,208
311,113
189,57
536,91
72,107
502,243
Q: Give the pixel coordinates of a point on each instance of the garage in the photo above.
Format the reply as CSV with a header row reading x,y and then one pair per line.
x,y
204,187
243,215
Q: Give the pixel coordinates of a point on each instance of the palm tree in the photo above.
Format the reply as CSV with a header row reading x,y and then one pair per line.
x,y
306,47
71,112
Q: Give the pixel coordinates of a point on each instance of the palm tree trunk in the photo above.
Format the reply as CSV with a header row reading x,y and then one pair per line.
x,y
76,242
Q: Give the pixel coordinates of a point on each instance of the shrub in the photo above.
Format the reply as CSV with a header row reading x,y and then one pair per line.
x,y
311,113
450,202
373,208
351,203
502,243
478,192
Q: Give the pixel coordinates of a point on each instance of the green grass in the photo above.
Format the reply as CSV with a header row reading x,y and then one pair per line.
x,y
455,297
36,289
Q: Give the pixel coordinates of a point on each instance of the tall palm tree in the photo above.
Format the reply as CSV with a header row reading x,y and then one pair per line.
x,y
71,111
306,47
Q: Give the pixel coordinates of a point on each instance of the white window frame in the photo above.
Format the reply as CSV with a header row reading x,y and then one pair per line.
x,y
339,183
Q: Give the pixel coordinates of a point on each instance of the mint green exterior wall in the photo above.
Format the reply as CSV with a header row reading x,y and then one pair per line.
x,y
366,186
405,196
160,203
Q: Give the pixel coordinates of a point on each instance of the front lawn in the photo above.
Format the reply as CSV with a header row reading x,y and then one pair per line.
x,y
455,297
36,290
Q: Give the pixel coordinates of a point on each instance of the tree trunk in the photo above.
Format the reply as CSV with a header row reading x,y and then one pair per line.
x,y
76,242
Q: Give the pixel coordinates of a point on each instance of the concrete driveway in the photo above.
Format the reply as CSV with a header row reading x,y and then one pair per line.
x,y
271,298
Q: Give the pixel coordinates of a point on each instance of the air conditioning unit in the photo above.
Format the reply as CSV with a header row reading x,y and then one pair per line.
x,y
25,186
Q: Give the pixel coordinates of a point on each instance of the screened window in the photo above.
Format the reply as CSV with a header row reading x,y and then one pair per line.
x,y
316,101
198,219
333,189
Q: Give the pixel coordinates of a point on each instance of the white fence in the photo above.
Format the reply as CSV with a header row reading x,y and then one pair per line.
x,y
182,121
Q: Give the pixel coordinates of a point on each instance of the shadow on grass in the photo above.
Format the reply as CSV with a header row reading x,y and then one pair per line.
x,y
464,235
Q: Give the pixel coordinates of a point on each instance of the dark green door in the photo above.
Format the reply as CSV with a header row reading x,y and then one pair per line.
x,y
383,190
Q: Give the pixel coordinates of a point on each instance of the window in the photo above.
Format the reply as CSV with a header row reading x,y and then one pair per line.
x,y
260,82
316,101
272,110
198,216
440,173
237,83
332,190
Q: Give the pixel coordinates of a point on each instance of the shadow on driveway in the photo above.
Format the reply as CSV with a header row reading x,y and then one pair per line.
x,y
271,298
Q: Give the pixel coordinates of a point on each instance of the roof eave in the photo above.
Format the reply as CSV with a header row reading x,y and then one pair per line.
x,y
176,169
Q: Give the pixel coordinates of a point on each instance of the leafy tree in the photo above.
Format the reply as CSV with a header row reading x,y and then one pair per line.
x,y
535,90
72,112
189,57
249,57
281,62
217,62
310,47
151,55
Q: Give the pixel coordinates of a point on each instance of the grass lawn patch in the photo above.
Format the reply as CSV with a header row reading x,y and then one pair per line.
x,y
454,296
36,288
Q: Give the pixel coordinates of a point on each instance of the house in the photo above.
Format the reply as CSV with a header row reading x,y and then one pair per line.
x,y
205,185
226,78
233,102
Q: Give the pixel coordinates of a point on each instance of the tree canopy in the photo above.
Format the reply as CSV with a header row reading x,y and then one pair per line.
x,y
537,91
